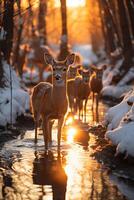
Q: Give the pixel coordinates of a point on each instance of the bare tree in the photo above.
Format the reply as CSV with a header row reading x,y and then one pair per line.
x,y
64,50
18,41
42,20
126,36
130,6
8,25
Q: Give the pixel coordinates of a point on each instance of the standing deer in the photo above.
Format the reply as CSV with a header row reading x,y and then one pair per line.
x,y
96,84
71,89
50,100
72,72
82,91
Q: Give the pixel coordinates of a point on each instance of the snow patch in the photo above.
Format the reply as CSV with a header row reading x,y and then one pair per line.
x,y
120,121
20,98
87,53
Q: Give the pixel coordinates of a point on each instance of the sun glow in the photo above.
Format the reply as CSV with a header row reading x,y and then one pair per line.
x,y
70,134
69,120
72,3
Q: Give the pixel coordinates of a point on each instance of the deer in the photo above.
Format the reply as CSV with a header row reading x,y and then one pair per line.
x,y
72,72
71,89
49,101
96,84
82,91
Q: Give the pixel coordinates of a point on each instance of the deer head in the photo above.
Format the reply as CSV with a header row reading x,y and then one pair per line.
x,y
99,73
85,75
73,71
59,68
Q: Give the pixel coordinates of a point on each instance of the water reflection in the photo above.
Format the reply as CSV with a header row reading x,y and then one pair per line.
x,y
71,174
48,171
95,116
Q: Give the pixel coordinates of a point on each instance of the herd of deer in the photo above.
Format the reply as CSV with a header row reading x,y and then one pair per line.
x,y
70,84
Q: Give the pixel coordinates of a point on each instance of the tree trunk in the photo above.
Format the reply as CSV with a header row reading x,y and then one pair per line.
x,y
130,6
108,29
1,72
103,25
18,42
127,43
8,27
42,20
64,51
30,20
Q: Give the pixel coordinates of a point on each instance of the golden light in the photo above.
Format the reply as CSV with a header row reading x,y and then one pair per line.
x,y
69,120
70,134
72,3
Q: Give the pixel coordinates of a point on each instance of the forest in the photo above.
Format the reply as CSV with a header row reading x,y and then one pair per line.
x,y
67,99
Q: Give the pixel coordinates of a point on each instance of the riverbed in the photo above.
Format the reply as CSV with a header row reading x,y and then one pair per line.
x,y
28,172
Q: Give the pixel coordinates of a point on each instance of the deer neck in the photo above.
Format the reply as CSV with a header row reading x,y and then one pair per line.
x,y
59,92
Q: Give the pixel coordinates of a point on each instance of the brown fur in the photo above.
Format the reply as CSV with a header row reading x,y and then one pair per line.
x,y
49,101
82,92
71,91
96,85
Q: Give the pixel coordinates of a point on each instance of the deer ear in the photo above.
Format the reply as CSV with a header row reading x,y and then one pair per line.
x,y
78,66
49,59
80,71
70,59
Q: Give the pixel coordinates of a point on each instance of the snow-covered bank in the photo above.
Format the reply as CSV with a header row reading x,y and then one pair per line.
x,y
20,98
32,76
120,122
123,86
87,53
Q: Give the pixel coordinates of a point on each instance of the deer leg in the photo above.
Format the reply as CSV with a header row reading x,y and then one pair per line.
x,y
36,126
97,101
79,109
50,130
82,109
97,116
75,106
85,106
45,125
60,124
93,94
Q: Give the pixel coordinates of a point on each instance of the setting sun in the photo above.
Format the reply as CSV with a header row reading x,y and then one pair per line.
x,y
69,120
71,3
70,134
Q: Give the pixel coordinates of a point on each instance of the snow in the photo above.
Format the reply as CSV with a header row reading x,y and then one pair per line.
x,y
125,187
32,76
115,91
15,79
87,53
122,87
2,33
128,77
115,114
120,122
20,98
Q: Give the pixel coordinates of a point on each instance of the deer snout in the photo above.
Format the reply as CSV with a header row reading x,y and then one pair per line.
x,y
58,77
86,80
